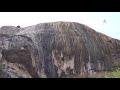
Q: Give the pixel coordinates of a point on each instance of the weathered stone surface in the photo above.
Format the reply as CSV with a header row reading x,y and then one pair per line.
x,y
56,50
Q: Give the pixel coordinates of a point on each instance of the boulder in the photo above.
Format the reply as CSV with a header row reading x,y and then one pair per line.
x,y
56,50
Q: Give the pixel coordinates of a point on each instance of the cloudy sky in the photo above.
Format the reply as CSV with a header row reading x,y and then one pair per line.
x,y
91,19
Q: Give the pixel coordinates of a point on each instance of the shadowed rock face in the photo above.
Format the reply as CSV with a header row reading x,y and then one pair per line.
x,y
56,50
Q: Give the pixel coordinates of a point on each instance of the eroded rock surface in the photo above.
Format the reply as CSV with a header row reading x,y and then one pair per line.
x,y
56,50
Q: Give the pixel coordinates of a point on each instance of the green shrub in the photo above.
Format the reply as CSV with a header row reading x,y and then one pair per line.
x,y
116,66
116,73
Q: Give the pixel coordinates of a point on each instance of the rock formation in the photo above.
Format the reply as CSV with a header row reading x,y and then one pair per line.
x,y
56,50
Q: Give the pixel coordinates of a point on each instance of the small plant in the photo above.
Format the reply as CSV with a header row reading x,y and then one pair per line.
x,y
116,73
18,26
116,66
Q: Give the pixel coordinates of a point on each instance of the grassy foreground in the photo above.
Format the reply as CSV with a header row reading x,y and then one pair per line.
x,y
114,74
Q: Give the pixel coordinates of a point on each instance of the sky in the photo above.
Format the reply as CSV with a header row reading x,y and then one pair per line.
x,y
91,19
